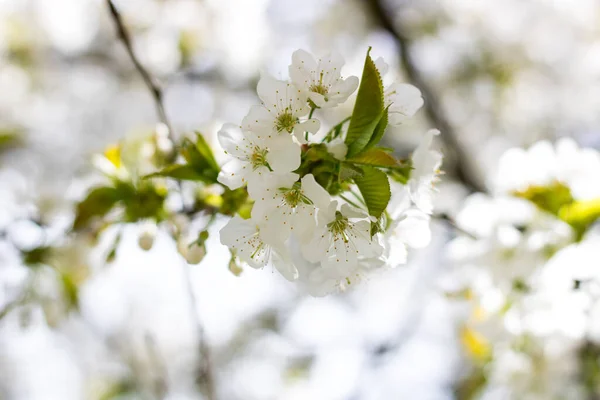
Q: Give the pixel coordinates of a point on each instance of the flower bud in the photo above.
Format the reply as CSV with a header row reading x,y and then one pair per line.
x,y
234,267
147,236
193,253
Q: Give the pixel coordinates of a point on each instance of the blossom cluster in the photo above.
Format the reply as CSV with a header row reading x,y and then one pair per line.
x,y
532,269
310,230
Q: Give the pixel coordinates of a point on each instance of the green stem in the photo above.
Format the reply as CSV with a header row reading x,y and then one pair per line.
x,y
312,110
358,197
329,137
352,203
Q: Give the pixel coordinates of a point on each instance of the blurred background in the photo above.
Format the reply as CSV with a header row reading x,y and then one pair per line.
x,y
497,74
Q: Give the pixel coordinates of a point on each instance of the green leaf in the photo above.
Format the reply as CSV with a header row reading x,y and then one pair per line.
x,y
98,203
368,109
375,157
375,189
402,174
206,152
178,171
549,198
10,138
379,130
145,202
349,171
35,256
200,158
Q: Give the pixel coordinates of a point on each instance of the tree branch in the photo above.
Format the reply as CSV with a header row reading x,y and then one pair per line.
x,y
205,375
464,169
153,86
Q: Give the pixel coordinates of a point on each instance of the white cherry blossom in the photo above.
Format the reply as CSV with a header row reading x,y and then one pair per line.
x,y
404,101
341,237
254,156
285,205
321,280
426,164
283,104
321,79
246,238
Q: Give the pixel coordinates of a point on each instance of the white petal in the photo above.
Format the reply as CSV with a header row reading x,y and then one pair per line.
x,y
405,101
259,121
315,250
312,125
414,229
233,174
318,99
331,66
381,66
285,266
343,89
315,192
352,212
231,138
304,221
284,154
302,67
268,88
255,178
236,228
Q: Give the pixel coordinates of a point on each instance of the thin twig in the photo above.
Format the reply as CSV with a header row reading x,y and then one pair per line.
x,y
153,86
465,169
205,375
447,219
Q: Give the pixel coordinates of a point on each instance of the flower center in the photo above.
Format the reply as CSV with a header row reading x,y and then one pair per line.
x,y
294,196
339,226
258,157
285,121
319,88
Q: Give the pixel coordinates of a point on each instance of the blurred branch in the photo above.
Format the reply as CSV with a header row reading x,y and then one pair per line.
x,y
464,168
205,375
452,223
153,86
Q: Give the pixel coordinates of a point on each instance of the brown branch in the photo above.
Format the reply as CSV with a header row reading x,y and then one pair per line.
x,y
153,86
205,375
464,168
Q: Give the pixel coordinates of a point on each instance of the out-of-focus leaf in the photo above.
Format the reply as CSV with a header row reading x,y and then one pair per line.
x,y
206,152
476,345
368,109
112,253
145,202
548,198
178,171
36,256
234,201
10,138
97,203
200,158
375,189
581,214
70,290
